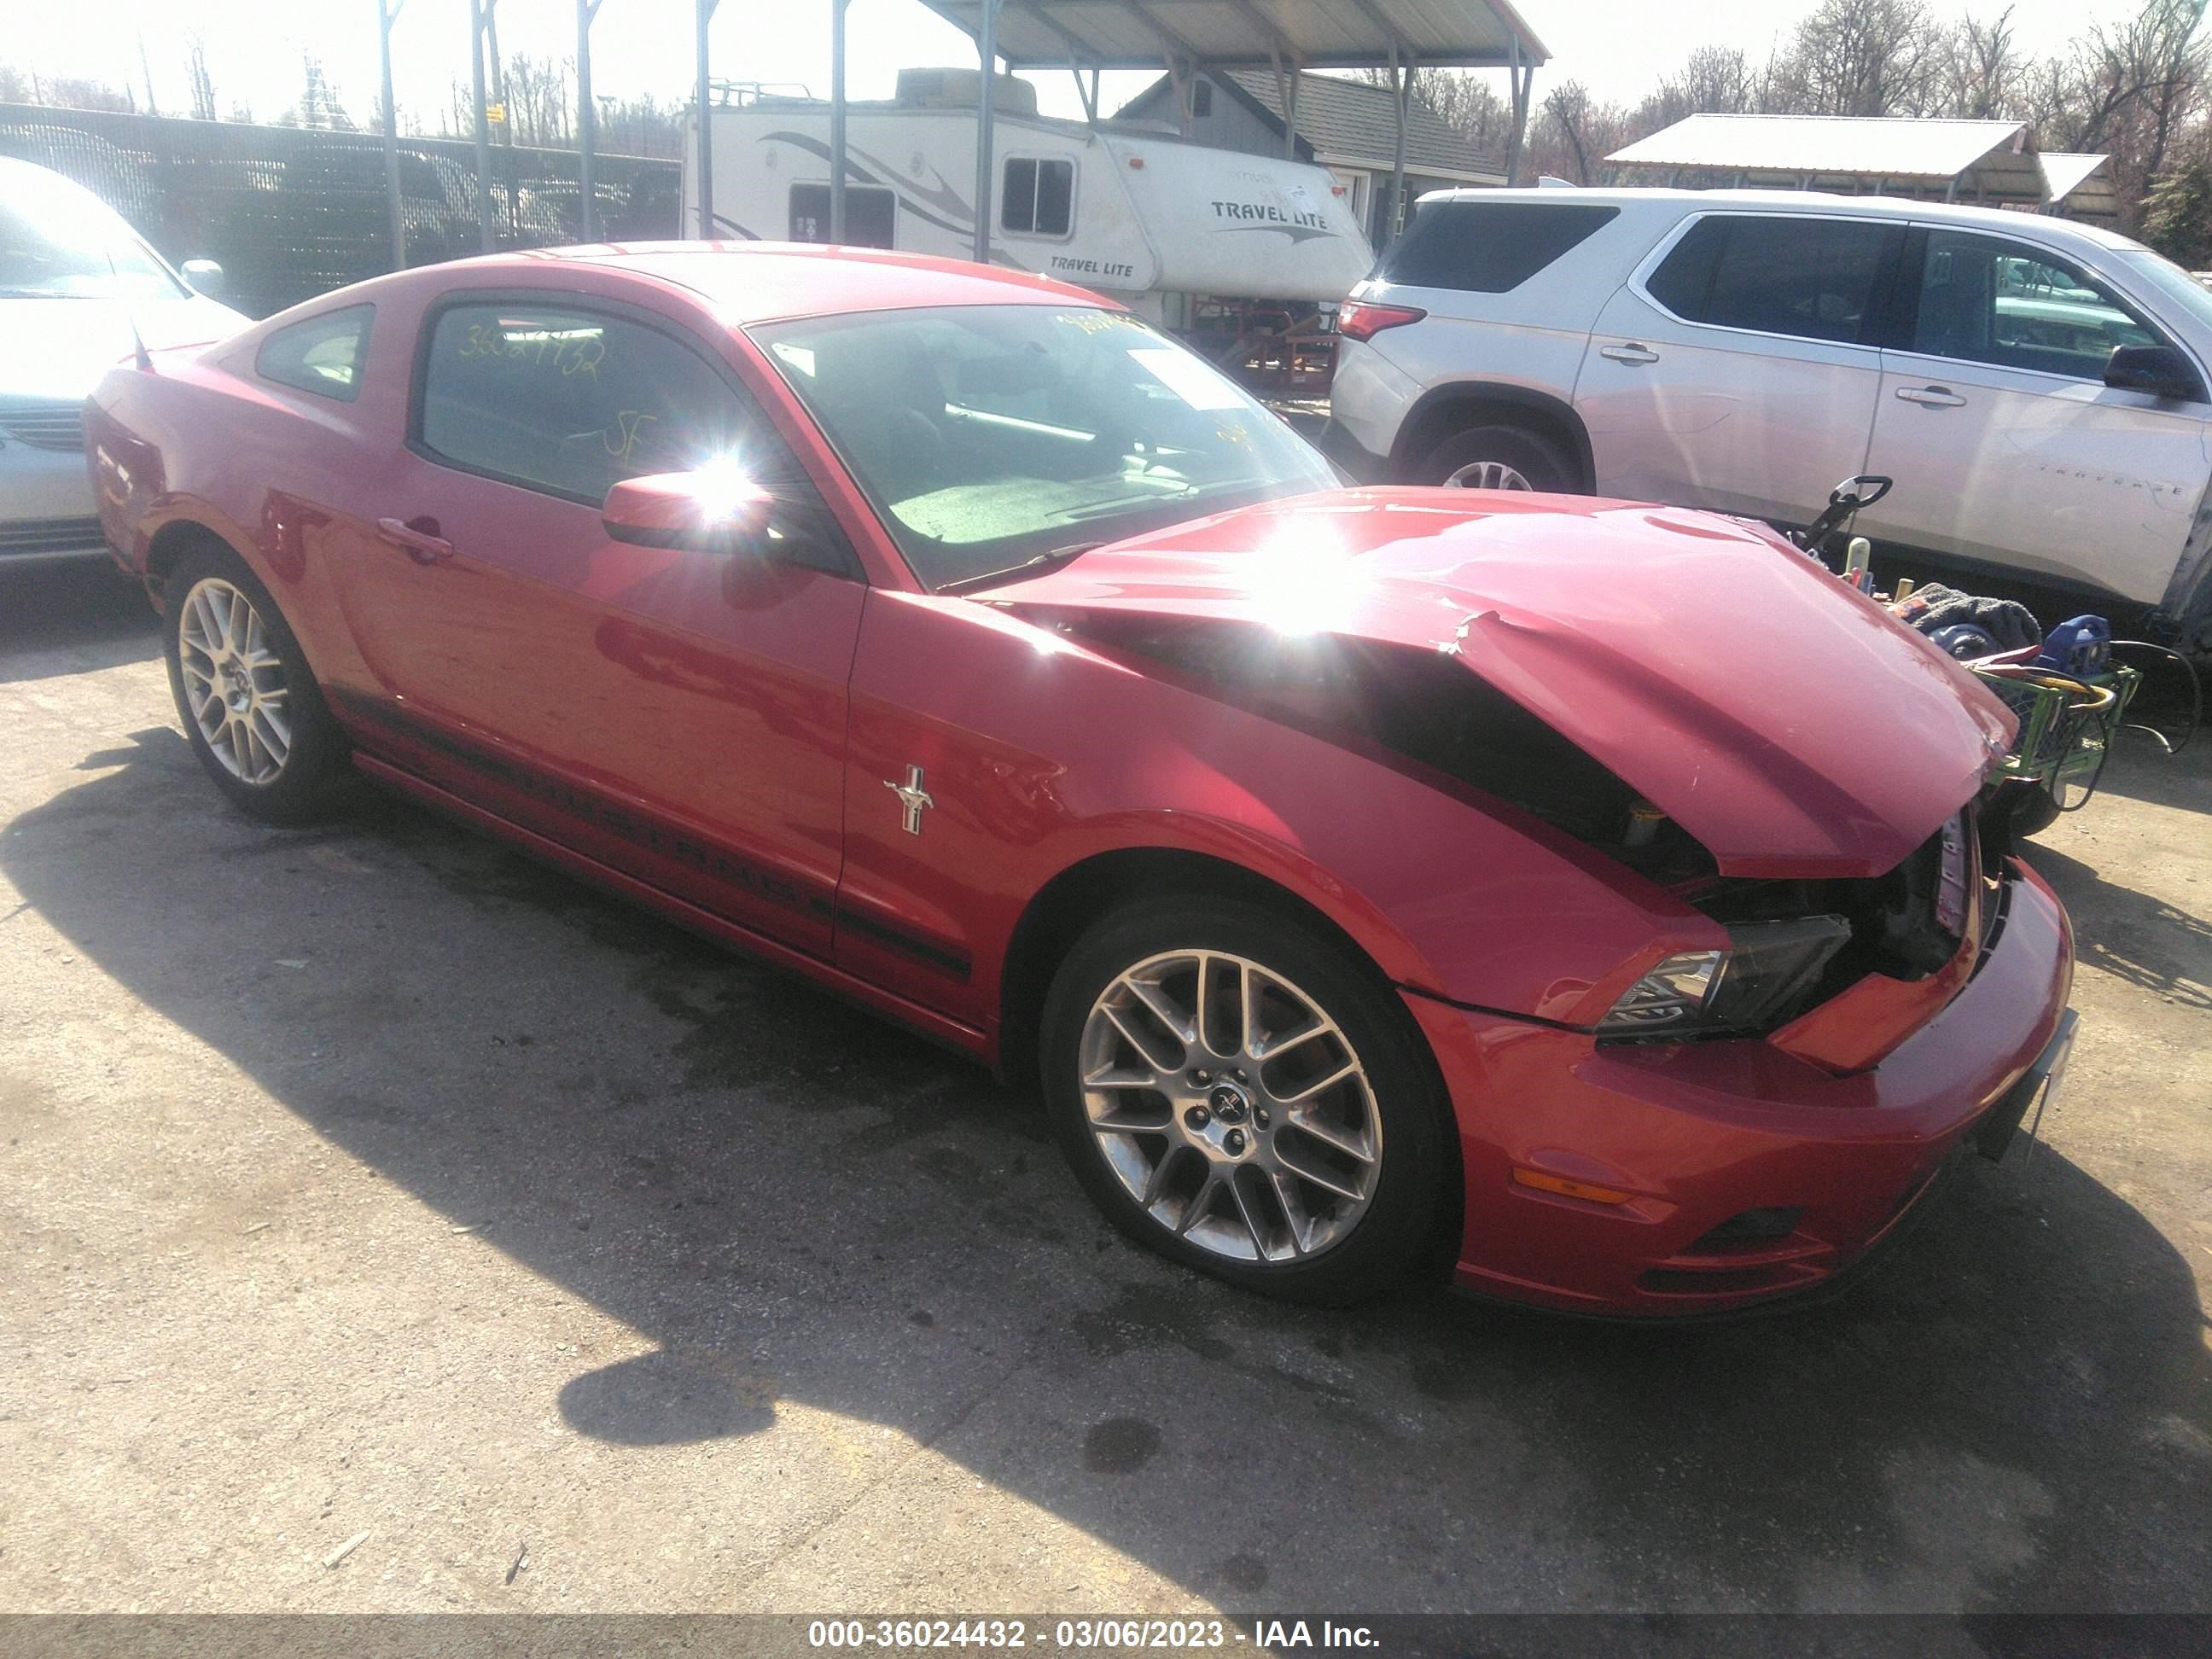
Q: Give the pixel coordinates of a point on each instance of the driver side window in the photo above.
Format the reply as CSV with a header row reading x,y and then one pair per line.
x,y
1986,300
571,401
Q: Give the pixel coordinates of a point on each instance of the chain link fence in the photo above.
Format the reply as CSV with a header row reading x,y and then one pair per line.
x,y
290,213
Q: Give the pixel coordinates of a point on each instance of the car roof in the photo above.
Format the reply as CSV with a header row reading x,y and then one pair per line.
x,y
17,174
762,281
1808,202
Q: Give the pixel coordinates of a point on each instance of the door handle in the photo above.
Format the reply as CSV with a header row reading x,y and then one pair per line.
x,y
420,545
1630,353
1931,397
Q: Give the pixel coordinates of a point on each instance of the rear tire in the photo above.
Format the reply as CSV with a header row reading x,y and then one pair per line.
x,y
1498,457
2195,640
251,708
1247,1161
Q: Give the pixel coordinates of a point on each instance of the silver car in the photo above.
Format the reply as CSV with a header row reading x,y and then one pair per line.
x,y
2041,390
79,291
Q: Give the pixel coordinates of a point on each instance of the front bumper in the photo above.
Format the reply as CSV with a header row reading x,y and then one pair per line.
x,y
1357,461
1696,1134
50,541
47,509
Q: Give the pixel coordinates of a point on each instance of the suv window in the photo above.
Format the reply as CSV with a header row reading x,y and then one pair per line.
x,y
1988,300
323,355
1486,248
1779,274
570,401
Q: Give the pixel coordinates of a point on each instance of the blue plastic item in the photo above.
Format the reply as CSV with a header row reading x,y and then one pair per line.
x,y
1965,641
2081,647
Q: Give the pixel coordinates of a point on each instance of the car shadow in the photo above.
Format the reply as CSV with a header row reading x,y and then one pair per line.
x,y
2147,941
70,618
2141,770
799,1205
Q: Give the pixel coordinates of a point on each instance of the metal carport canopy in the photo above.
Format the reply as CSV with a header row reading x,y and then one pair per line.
x,y
1142,35
1188,35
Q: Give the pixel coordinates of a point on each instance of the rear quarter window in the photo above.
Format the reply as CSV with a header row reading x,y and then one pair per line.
x,y
1814,278
323,355
1487,248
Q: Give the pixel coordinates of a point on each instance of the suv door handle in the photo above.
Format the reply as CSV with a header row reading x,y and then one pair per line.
x,y
1630,353
1933,397
421,545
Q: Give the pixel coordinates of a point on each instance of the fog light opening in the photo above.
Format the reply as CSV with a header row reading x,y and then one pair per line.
x,y
1746,1228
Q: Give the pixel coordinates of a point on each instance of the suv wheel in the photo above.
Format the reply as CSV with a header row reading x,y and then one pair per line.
x,y
1498,458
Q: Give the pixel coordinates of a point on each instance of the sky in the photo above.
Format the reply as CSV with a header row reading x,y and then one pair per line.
x,y
254,48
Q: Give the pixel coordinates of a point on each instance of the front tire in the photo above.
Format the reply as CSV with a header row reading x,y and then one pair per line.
x,y
1244,1096
2033,811
251,708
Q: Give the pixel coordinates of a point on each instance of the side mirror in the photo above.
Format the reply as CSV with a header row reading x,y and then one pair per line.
x,y
716,510
205,277
2160,370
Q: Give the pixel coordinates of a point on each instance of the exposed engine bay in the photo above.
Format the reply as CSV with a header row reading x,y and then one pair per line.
x,y
1426,708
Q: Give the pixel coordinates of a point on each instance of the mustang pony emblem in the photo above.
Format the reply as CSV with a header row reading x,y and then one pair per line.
x,y
911,796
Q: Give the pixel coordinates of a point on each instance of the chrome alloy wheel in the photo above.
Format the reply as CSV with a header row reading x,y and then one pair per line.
x,y
1487,475
1231,1107
234,682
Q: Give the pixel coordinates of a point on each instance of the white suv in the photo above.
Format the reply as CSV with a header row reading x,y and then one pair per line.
x,y
2038,388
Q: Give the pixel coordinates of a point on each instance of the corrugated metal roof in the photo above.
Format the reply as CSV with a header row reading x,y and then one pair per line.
x,y
1872,147
1347,121
1142,35
2080,182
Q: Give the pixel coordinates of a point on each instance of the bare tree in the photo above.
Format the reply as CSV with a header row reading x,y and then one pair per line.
x,y
197,75
75,92
1860,58
1574,133
2135,90
2139,90
1719,80
318,106
459,117
539,96
2173,78
1468,104
1980,74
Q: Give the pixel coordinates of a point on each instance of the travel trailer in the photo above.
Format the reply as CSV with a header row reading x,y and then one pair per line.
x,y
1246,254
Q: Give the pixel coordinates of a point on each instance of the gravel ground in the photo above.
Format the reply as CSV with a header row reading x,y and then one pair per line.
x,y
371,1186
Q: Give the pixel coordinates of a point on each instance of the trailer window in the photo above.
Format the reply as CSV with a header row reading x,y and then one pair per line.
x,y
1037,196
871,214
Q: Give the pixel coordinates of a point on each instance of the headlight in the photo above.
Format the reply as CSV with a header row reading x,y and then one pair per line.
x,y
1673,994
1768,967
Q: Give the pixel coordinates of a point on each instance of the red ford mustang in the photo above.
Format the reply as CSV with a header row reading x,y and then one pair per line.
x,y
1597,887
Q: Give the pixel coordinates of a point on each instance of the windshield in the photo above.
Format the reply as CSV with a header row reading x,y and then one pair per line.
x,y
2176,285
989,436
59,242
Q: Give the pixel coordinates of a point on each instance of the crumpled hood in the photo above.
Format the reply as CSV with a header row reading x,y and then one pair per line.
x,y
1787,722
60,348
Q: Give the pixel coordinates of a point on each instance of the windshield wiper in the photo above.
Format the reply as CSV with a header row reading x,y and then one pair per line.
x,y
1030,567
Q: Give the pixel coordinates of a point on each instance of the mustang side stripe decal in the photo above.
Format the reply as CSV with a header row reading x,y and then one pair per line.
x,y
589,806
